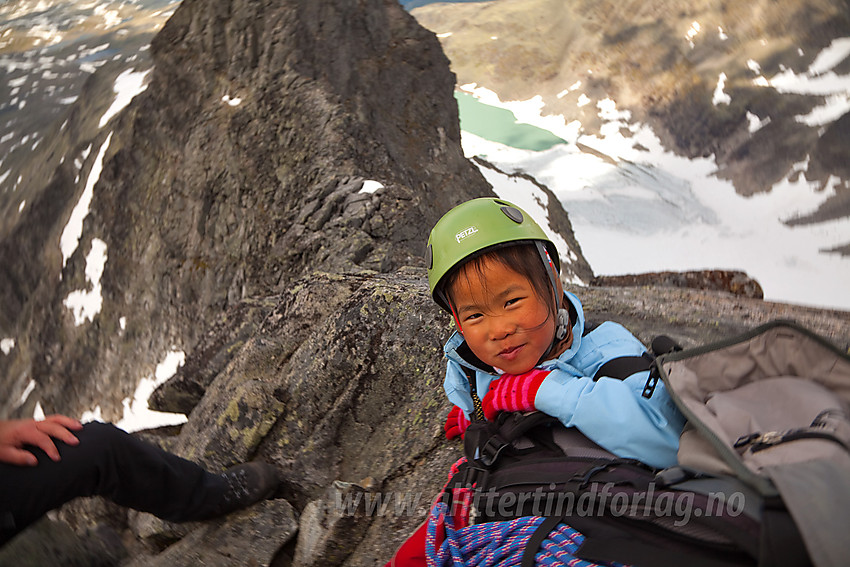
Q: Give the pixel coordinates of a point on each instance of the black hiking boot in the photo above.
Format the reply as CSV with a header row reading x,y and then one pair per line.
x,y
246,484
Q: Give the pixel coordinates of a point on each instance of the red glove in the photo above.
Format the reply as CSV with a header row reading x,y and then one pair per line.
x,y
456,423
513,392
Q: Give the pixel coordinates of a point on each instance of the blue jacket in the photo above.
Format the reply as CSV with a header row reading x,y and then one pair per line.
x,y
611,412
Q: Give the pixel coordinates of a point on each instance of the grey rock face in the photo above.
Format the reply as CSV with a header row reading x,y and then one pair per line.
x,y
329,529
202,203
251,537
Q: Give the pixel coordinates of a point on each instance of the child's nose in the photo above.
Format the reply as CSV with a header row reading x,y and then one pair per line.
x,y
501,327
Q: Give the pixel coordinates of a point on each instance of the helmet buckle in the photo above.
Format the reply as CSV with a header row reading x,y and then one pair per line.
x,y
563,324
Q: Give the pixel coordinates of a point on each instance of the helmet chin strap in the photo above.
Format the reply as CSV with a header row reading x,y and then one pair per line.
x,y
562,322
448,302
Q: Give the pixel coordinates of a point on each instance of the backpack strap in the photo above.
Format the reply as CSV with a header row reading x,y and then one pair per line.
x,y
537,538
756,442
624,366
830,424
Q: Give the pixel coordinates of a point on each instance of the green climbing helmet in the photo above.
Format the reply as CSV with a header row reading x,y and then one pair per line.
x,y
473,227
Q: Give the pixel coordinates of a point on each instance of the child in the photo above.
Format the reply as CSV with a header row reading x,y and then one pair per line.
x,y
522,339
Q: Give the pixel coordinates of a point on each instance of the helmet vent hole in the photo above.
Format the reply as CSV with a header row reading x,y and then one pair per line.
x,y
513,214
429,257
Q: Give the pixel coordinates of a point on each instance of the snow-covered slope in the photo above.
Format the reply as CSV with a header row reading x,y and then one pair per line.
x,y
47,51
636,207
757,94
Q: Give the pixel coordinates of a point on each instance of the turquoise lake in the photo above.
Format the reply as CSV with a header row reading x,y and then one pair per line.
x,y
500,125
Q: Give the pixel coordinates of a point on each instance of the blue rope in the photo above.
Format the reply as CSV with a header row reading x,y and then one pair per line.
x,y
500,543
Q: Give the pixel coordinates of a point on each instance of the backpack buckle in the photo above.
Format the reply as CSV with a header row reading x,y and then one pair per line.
x,y
673,475
585,477
490,451
758,441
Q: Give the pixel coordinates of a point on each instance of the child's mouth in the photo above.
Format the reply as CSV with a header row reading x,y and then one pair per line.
x,y
510,353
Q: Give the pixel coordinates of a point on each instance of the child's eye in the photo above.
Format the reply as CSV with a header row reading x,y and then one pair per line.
x,y
513,301
472,317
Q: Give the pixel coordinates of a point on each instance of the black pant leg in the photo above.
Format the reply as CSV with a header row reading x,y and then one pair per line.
x,y
111,463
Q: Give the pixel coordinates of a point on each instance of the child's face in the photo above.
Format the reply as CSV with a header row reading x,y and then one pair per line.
x,y
504,322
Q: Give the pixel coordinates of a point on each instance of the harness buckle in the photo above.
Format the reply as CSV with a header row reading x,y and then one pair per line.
x,y
490,451
651,381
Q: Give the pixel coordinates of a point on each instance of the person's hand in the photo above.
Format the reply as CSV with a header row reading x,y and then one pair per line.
x,y
513,392
456,423
15,434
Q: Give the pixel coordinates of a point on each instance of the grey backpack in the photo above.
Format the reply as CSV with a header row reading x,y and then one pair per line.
x,y
770,408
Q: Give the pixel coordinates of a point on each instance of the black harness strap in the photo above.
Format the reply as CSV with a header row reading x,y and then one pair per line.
x,y
623,366
537,538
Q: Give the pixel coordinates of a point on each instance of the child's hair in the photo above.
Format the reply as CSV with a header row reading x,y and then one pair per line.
x,y
522,258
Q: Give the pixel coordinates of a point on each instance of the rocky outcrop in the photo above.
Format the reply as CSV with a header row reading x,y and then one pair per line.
x,y
238,173
734,282
695,317
221,201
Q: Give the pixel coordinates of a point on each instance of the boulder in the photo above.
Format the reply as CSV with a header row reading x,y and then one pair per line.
x,y
730,281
